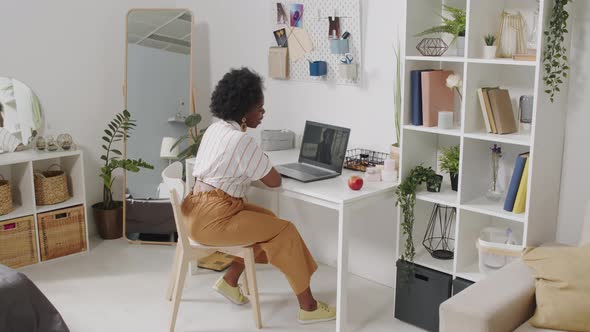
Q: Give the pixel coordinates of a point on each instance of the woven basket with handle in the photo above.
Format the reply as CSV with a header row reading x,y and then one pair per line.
x,y
51,186
18,242
5,196
62,232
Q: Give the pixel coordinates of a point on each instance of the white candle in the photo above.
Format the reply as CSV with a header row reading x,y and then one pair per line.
x,y
445,120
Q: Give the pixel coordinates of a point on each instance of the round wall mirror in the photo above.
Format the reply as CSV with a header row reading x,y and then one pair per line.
x,y
20,115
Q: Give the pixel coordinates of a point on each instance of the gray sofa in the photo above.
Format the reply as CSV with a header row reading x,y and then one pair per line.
x,y
504,301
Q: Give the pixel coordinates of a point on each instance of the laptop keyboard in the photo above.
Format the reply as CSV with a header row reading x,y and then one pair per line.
x,y
308,169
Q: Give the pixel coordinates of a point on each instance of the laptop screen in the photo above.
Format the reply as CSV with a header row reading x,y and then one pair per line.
x,y
324,145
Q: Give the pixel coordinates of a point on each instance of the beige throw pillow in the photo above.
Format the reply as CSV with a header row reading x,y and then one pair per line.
x,y
562,287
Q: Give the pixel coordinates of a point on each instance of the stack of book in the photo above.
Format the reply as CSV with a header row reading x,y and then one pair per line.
x,y
517,191
496,109
429,96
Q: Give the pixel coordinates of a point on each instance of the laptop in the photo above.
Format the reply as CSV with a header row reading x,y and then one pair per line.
x,y
322,153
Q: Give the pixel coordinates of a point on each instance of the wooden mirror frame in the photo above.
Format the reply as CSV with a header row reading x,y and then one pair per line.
x,y
192,103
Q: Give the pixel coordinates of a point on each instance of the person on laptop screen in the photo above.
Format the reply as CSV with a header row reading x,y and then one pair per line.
x,y
216,214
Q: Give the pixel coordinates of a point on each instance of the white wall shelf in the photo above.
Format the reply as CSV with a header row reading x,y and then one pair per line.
x,y
19,167
435,130
435,58
509,62
446,196
492,208
421,145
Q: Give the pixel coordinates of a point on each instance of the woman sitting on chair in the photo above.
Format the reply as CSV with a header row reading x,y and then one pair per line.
x,y
216,214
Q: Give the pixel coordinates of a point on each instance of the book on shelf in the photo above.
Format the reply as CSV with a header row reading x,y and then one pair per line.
x,y
515,181
486,109
520,202
501,106
436,96
416,96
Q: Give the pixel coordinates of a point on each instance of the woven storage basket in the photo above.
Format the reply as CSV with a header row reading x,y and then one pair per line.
x,y
62,232
18,242
5,196
51,187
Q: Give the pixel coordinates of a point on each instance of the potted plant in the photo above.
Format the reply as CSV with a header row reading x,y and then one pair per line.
x,y
453,25
555,54
108,213
406,200
449,162
489,49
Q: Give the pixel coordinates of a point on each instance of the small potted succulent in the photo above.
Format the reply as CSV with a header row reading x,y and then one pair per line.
x,y
449,162
489,49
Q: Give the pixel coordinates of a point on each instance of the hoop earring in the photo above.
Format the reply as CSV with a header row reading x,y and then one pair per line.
x,y
244,126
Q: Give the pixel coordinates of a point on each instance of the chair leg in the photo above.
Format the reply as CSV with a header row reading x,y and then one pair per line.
x,y
181,276
173,275
246,288
253,288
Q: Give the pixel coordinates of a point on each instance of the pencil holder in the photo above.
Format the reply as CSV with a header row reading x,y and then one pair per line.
x,y
339,46
318,68
348,71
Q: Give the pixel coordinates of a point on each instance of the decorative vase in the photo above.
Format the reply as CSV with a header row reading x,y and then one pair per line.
x,y
109,222
433,185
461,46
489,52
454,181
495,188
394,154
438,237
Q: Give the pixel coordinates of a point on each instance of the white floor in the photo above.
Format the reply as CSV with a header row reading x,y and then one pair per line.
x,y
121,287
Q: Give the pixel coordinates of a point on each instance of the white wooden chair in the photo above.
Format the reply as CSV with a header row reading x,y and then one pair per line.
x,y
188,250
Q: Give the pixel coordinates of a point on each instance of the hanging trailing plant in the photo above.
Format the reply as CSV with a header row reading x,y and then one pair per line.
x,y
555,55
406,200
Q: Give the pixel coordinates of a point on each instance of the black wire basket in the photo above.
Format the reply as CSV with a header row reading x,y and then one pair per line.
x,y
360,159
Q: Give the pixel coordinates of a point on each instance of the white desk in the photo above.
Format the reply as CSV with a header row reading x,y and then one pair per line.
x,y
334,194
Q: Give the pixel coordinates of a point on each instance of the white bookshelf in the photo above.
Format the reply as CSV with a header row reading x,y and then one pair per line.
x,y
19,169
421,145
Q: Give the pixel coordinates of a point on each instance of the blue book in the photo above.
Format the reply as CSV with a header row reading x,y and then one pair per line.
x,y
416,96
515,182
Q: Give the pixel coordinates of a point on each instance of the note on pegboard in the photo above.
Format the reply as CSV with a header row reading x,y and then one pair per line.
x,y
315,20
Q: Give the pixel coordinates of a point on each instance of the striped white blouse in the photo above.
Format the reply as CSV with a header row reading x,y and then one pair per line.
x,y
229,159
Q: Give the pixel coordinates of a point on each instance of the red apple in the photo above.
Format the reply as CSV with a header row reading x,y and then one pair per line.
x,y
355,182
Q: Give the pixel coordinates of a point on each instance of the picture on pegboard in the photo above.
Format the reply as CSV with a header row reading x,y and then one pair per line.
x,y
314,55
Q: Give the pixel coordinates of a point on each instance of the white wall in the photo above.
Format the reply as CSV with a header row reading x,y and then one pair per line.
x,y
157,82
575,182
71,53
237,33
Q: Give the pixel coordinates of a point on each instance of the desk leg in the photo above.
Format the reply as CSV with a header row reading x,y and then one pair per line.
x,y
342,290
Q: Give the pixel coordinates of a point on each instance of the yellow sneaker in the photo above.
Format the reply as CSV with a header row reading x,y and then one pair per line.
x,y
323,313
233,294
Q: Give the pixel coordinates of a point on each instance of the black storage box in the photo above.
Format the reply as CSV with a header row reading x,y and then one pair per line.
x,y
460,284
419,294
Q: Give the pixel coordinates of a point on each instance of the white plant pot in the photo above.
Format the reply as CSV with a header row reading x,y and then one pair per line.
x,y
461,46
489,52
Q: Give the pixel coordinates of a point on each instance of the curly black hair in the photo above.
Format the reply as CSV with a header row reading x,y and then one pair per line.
x,y
236,94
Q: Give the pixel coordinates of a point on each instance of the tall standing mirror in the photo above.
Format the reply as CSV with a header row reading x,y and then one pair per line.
x,y
158,95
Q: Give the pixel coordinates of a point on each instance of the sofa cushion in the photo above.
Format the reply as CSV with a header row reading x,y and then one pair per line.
x,y
527,327
562,287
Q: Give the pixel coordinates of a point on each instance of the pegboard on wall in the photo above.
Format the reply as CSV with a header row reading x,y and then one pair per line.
x,y
315,21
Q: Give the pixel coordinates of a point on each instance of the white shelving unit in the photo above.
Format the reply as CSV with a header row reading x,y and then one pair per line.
x,y
421,145
19,168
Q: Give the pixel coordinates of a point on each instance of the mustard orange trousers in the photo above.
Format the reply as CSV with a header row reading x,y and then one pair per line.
x,y
214,218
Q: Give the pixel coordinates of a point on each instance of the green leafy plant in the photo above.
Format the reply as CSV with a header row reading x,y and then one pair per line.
x,y
555,54
397,99
406,200
194,136
449,160
489,39
455,25
118,129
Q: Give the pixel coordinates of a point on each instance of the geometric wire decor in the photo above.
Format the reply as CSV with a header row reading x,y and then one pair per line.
x,y
438,240
432,47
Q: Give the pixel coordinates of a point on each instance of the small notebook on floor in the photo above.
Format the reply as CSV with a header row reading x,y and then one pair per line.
x,y
217,261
